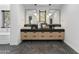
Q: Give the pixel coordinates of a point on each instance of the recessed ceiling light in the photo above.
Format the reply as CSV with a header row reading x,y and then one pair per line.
x,y
35,4
50,4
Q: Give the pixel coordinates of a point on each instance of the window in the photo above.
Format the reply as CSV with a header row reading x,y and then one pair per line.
x,y
6,18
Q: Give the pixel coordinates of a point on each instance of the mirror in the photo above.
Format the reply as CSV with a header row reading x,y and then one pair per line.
x,y
6,18
42,16
53,16
30,16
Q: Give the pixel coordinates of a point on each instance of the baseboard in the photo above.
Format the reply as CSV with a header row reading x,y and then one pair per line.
x,y
4,43
71,46
17,43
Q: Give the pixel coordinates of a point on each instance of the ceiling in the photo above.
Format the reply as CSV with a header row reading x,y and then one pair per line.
x,y
52,6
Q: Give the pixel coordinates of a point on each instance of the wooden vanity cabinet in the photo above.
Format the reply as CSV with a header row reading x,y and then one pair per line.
x,y
42,35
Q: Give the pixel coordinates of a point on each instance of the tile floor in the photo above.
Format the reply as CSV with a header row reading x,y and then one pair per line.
x,y
37,47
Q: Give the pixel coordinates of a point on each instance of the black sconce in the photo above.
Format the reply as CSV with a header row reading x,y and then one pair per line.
x,y
30,18
51,20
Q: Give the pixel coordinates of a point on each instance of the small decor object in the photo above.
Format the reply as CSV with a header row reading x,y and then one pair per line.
x,y
34,27
44,26
30,18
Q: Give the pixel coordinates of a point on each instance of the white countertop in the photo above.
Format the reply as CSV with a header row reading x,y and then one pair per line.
x,y
4,33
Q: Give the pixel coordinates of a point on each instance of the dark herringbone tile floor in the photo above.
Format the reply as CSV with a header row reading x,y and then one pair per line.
x,y
4,48
42,47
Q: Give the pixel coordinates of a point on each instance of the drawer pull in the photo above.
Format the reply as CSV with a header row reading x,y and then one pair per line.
x,y
34,36
59,35
50,36
25,36
42,36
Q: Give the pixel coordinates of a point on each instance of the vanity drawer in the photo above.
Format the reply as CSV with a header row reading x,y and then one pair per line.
x,y
43,35
56,35
51,35
25,35
34,35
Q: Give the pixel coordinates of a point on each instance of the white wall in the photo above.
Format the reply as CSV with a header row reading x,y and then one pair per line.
x,y
4,33
70,21
17,22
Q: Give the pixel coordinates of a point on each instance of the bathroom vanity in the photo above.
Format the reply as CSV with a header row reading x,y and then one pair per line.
x,y
42,34
42,30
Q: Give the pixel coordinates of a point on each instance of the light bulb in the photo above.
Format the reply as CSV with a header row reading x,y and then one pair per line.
x,y
50,14
35,14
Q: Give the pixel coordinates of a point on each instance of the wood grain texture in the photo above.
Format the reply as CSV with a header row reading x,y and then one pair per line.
x,y
42,35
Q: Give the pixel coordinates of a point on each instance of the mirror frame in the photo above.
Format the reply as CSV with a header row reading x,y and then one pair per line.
x,y
42,13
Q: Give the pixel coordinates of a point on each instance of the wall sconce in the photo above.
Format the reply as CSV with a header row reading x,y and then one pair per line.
x,y
49,14
35,14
